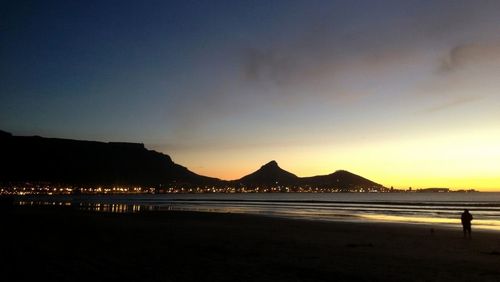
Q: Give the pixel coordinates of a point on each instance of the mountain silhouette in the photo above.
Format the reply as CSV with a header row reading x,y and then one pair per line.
x,y
269,174
342,180
75,162
68,161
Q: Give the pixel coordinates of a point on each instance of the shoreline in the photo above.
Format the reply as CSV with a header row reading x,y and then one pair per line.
x,y
67,244
121,205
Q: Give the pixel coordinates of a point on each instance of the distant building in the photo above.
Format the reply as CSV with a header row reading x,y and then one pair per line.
x,y
434,190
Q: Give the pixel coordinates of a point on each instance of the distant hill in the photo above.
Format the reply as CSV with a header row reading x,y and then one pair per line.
x,y
87,162
271,174
342,180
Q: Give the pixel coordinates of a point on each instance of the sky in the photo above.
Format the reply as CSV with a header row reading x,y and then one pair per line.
x,y
405,93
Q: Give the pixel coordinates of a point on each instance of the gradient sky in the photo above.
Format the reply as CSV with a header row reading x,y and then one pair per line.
x,y
406,93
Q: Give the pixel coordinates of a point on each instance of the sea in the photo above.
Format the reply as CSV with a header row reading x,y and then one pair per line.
x,y
433,209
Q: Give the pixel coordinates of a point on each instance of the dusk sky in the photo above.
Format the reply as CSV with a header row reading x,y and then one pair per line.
x,y
405,93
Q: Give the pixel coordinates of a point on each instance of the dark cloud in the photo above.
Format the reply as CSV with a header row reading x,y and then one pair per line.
x,y
286,67
453,103
346,55
477,54
376,37
267,64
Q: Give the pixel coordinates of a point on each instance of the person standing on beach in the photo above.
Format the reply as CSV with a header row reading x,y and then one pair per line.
x,y
466,222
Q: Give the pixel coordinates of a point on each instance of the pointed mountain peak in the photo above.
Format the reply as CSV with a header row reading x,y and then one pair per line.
x,y
269,174
270,164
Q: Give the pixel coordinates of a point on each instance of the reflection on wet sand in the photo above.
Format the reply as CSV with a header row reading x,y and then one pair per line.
x,y
97,207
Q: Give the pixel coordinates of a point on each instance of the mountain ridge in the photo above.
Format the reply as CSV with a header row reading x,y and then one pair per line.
x,y
68,161
35,158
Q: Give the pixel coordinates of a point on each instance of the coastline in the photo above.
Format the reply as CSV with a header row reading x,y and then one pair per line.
x,y
436,211
71,245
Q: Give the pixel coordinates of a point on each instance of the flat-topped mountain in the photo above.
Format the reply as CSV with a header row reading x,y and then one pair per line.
x,y
88,162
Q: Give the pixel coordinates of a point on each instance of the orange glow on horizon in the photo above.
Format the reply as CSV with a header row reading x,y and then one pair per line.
x,y
456,160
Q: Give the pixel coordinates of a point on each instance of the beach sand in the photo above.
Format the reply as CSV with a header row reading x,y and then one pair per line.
x,y
63,244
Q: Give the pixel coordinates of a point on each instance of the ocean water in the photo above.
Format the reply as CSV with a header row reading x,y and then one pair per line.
x,y
442,209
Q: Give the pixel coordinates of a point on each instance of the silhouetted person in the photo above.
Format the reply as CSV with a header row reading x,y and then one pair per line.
x,y
466,222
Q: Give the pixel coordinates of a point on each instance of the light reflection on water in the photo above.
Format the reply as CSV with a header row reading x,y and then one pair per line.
x,y
431,209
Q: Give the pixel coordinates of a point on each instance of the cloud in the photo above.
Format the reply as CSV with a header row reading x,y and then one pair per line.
x,y
468,73
342,58
452,103
267,64
472,55
358,41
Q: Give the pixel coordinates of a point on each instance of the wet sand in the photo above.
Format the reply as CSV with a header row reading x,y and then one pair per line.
x,y
63,244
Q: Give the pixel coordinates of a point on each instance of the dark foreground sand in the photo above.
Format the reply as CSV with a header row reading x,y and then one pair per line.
x,y
70,245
